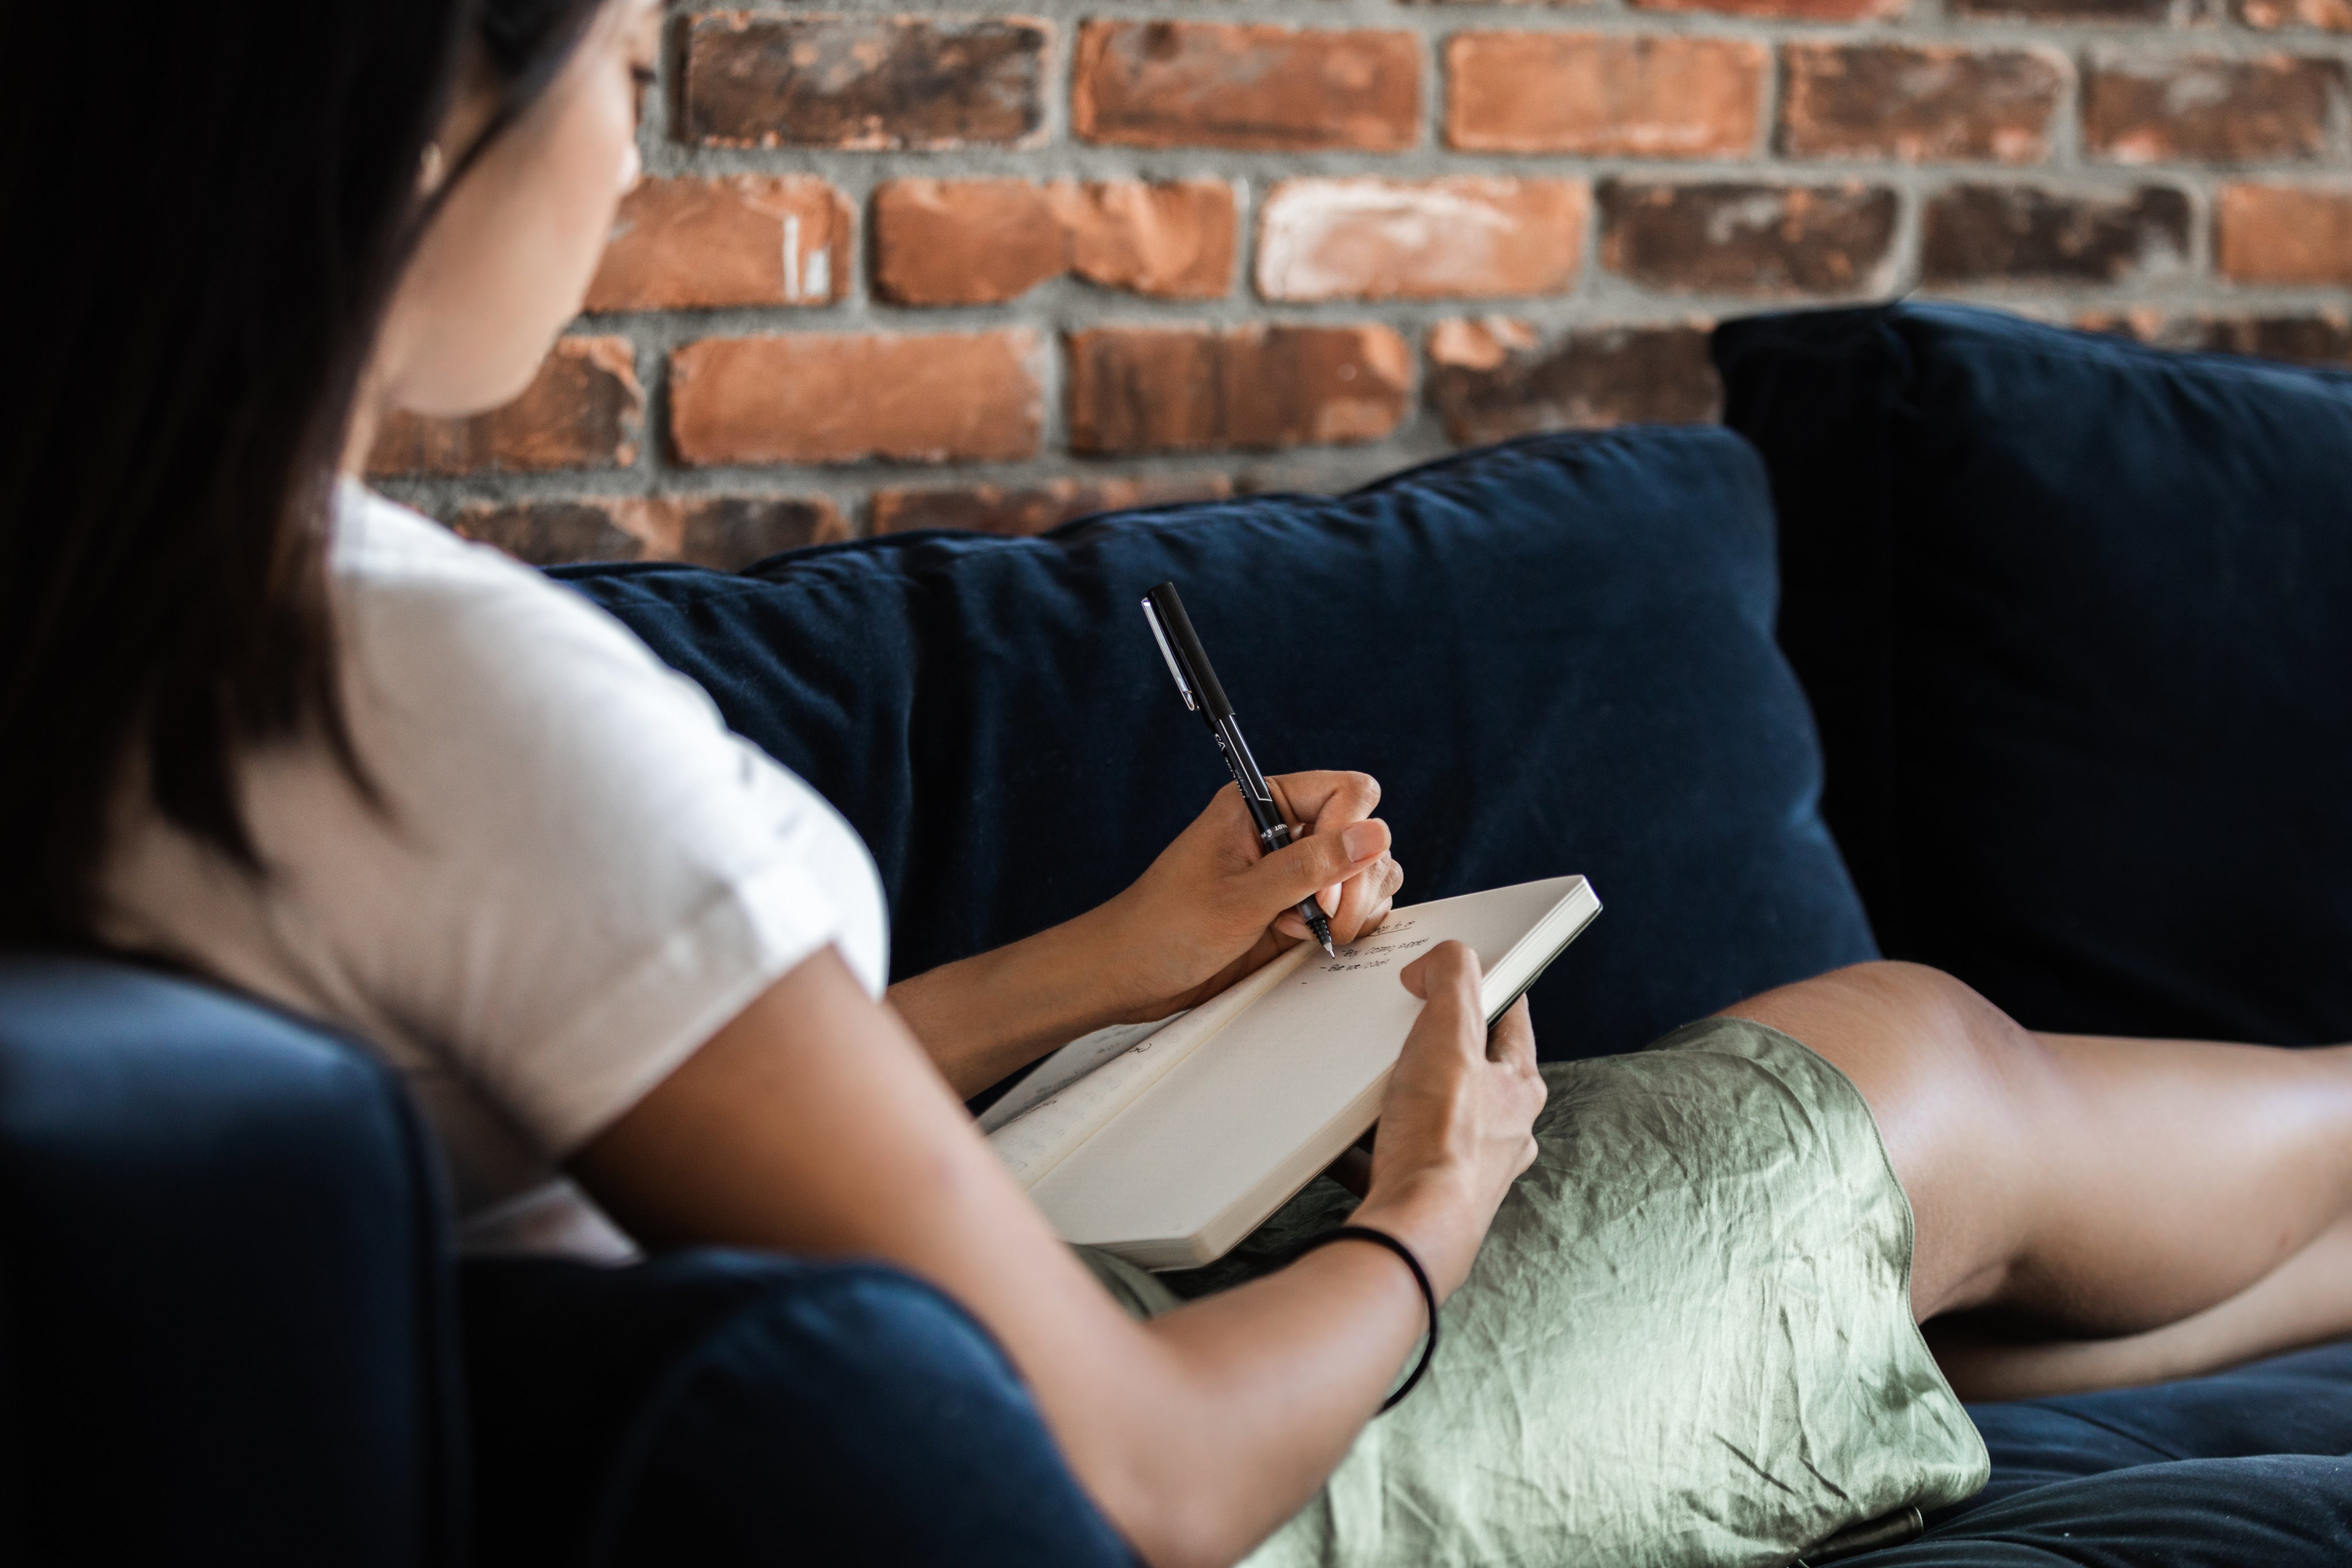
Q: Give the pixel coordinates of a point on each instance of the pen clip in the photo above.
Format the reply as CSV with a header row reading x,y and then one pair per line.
x,y
1168,652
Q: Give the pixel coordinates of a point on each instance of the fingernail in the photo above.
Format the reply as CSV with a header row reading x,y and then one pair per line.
x,y
1361,842
1329,899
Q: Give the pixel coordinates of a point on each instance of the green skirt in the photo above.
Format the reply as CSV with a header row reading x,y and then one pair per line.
x,y
1687,1340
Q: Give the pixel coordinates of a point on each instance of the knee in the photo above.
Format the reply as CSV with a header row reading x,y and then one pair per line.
x,y
1949,1024
1927,999
1902,1033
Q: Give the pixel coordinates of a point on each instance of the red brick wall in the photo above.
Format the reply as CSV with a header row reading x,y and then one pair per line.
x,y
950,268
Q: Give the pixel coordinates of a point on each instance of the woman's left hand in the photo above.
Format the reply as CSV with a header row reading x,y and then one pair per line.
x,y
1212,908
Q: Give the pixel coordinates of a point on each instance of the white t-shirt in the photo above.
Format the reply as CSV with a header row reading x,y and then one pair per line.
x,y
581,875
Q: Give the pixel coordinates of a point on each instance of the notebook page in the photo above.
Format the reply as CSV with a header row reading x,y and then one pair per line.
x,y
1033,1143
1067,1065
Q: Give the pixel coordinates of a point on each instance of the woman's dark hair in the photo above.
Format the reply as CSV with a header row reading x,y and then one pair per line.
x,y
212,206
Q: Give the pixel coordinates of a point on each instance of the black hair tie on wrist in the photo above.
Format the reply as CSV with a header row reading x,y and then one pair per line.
x,y
1420,1276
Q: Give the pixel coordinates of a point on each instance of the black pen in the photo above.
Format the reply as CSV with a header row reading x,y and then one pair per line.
x,y
1197,684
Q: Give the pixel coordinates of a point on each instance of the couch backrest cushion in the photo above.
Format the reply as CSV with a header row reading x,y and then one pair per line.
x,y
2076,618
227,1325
1556,656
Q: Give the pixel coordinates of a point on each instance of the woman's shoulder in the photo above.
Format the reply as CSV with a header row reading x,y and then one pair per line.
x,y
505,714
385,559
423,617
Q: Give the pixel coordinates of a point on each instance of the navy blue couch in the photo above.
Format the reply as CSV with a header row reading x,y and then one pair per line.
x,y
232,1332
230,1327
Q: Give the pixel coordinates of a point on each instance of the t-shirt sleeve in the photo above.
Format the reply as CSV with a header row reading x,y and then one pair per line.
x,y
581,875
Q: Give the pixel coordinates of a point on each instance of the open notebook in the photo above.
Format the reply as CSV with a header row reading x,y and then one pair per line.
x,y
1168,1143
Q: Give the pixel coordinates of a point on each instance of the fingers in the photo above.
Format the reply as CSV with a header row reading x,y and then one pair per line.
x,y
1317,862
1441,965
1513,1042
1340,858
1447,978
1326,801
1357,905
1365,898
1448,971
1330,802
1512,1048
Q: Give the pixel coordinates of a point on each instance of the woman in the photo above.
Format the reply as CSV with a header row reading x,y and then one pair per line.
x,y
270,728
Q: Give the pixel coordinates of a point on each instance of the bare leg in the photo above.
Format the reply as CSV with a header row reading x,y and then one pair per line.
x,y
2107,1211
2305,1299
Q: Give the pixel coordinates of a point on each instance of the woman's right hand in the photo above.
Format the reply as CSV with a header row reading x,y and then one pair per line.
x,y
1457,1125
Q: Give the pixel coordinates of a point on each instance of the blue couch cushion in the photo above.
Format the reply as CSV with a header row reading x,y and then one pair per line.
x,y
227,1324
2072,616
1556,656
2250,1469
725,1408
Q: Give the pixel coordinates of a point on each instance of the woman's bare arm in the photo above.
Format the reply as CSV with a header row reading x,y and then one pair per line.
x,y
814,1123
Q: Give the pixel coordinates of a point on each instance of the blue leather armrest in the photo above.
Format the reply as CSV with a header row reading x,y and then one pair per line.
x,y
227,1324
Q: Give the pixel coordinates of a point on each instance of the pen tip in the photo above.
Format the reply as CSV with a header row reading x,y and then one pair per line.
x,y
1330,951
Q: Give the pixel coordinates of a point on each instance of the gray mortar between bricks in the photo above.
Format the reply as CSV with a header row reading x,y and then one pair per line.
x,y
1599,298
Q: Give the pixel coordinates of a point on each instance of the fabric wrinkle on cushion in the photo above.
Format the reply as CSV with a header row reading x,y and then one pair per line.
x,y
1556,656
2071,611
